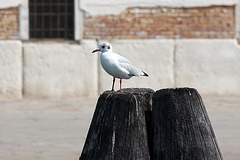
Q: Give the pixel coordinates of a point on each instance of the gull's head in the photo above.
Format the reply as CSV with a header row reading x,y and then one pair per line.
x,y
104,47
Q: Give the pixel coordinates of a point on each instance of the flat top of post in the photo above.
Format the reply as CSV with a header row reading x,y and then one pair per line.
x,y
176,91
134,91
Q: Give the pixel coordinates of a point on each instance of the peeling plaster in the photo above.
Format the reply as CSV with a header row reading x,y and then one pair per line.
x,y
109,7
10,3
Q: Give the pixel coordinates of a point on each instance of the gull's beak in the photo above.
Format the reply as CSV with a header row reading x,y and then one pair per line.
x,y
96,50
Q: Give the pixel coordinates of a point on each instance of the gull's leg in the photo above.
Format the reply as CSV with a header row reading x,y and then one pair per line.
x,y
113,84
120,85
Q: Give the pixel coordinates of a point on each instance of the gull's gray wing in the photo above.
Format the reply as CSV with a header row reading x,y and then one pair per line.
x,y
126,64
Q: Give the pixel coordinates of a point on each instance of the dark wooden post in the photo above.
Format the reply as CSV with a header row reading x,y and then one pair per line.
x,y
181,127
118,128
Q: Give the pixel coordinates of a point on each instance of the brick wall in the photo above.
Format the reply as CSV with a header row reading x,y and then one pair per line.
x,y
9,28
160,22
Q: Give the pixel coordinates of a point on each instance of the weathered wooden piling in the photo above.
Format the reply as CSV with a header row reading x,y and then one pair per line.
x,y
138,124
118,128
181,127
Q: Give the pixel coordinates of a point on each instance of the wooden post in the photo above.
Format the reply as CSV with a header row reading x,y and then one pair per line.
x,y
118,128
181,127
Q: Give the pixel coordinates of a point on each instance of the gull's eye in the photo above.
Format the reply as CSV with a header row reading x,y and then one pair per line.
x,y
108,47
103,46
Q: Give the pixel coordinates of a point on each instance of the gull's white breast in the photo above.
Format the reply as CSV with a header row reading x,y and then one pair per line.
x,y
118,66
112,65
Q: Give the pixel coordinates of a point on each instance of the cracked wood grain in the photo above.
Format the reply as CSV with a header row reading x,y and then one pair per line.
x,y
118,128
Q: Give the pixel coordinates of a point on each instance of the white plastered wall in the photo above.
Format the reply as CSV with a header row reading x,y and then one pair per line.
x,y
10,69
109,7
59,70
209,65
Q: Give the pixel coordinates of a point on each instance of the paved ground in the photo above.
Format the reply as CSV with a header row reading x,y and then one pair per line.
x,y
33,129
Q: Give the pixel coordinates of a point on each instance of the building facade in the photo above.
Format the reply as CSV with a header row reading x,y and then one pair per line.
x,y
45,46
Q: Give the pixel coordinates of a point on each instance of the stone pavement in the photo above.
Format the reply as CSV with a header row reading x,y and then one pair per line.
x,y
43,129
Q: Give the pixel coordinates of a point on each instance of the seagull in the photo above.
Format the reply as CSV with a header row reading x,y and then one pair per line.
x,y
116,65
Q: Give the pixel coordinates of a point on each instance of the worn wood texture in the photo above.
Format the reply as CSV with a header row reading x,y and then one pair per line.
x,y
118,128
181,127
